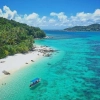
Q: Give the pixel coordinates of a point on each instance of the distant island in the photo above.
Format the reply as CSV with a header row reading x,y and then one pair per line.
x,y
16,37
92,27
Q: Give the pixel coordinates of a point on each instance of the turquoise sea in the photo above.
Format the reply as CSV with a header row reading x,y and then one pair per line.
x,y
73,72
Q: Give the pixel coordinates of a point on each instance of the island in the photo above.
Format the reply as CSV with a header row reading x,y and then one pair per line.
x,y
17,37
17,47
92,27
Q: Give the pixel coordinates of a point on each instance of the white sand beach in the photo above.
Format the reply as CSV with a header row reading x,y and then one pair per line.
x,y
17,61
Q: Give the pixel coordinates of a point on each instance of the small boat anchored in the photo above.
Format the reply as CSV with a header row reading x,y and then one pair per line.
x,y
35,81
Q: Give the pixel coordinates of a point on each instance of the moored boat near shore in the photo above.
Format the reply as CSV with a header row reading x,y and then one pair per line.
x,y
35,81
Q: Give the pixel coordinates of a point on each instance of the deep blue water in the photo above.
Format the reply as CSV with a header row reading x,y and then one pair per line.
x,y
73,73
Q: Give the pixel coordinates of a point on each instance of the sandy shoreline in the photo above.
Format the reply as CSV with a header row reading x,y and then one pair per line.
x,y
17,61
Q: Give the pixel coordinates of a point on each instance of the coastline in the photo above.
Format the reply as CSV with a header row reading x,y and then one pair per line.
x,y
18,61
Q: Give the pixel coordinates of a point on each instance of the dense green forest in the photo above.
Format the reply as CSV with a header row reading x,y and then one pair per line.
x,y
16,37
92,27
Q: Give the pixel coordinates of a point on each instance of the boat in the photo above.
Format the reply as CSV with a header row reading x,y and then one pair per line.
x,y
35,81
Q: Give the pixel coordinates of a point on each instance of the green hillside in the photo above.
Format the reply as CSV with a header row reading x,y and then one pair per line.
x,y
93,27
16,37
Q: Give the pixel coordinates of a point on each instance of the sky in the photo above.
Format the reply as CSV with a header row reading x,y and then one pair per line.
x,y
52,14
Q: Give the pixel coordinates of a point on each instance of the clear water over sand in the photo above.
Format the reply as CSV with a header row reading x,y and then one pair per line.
x,y
73,72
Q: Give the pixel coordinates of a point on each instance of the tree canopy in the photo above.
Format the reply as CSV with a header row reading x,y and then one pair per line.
x,y
16,37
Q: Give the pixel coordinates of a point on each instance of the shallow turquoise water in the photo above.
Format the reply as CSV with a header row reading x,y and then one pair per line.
x,y
73,73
